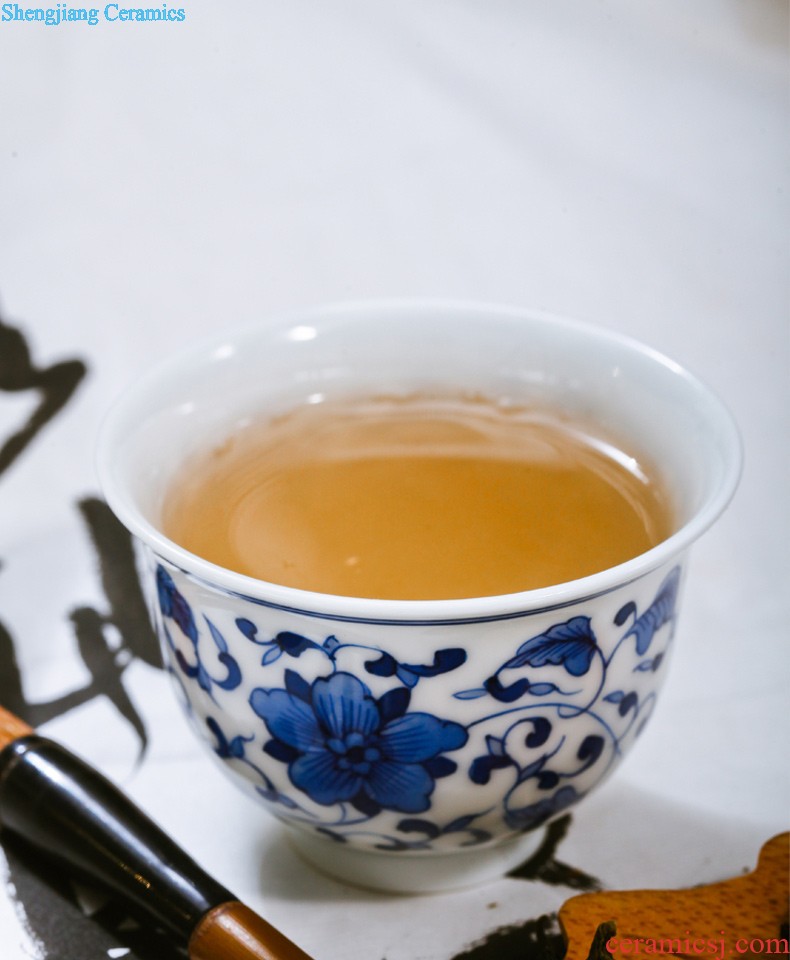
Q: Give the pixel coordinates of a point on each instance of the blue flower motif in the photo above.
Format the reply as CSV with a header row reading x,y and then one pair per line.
x,y
173,605
571,644
660,612
341,744
286,642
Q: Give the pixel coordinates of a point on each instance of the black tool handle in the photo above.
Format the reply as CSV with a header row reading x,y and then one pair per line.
x,y
77,817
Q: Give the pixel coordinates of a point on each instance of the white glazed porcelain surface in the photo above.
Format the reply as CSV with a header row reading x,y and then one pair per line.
x,y
434,731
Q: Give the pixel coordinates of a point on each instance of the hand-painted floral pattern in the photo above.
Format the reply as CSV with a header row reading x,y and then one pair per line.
x,y
341,744
336,742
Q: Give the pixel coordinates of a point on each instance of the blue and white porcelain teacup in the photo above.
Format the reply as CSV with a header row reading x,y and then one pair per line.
x,y
416,745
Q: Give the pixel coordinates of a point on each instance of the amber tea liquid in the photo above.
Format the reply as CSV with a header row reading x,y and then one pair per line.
x,y
415,498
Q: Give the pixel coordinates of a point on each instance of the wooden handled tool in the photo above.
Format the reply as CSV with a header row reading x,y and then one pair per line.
x,y
82,821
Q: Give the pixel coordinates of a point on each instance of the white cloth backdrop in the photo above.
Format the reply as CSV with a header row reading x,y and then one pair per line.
x,y
619,161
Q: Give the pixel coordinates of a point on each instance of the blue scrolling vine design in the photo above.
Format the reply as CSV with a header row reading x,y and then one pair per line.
x,y
174,606
553,721
574,647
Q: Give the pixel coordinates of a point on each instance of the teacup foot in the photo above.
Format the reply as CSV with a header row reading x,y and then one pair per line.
x,y
416,872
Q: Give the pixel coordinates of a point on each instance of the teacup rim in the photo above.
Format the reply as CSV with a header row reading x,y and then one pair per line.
x,y
377,610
